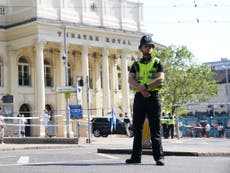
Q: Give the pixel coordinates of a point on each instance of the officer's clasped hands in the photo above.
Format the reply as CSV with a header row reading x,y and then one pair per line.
x,y
143,91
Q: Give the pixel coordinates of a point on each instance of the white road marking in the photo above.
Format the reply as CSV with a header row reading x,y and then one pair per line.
x,y
178,142
58,162
4,157
107,156
23,160
204,143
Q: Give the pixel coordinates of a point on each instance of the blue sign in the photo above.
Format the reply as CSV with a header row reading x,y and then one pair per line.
x,y
75,111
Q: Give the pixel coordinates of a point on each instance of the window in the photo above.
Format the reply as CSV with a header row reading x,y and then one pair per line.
x,y
93,6
48,74
119,77
2,11
23,72
101,76
70,79
1,73
90,77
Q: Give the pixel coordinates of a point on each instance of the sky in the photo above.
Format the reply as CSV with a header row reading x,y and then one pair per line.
x,y
201,25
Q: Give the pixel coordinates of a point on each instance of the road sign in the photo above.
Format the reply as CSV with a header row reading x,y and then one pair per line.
x,y
65,89
75,111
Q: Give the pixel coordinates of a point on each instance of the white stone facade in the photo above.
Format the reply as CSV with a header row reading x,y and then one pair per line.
x,y
102,36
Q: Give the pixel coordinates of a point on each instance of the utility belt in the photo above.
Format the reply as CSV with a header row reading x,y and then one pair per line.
x,y
151,92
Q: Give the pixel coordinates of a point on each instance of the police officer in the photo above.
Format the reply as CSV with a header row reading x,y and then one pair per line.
x,y
171,123
146,77
164,123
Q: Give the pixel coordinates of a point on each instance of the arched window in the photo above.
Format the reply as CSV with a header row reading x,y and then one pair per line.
x,y
1,72
24,78
48,74
70,79
119,77
101,76
91,77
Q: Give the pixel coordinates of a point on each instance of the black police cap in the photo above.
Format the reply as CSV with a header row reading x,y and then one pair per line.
x,y
146,39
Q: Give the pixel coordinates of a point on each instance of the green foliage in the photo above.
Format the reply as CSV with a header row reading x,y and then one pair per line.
x,y
185,80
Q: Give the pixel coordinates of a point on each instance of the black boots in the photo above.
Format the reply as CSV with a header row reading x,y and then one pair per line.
x,y
132,161
160,162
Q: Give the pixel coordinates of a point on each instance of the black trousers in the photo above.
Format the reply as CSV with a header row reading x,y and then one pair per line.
x,y
150,108
165,130
171,130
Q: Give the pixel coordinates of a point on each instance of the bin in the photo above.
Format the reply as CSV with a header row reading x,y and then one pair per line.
x,y
51,129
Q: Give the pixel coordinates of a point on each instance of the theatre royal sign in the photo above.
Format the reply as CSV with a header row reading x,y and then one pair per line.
x,y
95,38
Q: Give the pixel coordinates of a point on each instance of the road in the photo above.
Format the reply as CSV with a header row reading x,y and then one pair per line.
x,y
87,160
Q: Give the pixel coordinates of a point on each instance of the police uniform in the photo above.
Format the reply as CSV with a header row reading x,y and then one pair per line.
x,y
145,70
171,123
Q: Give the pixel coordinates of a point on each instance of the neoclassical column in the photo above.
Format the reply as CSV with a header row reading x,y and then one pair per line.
x,y
61,67
85,73
40,82
114,80
125,84
122,6
140,16
12,71
115,75
103,11
105,74
60,101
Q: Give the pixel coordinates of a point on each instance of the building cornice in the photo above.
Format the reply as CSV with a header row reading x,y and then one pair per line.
x,y
80,25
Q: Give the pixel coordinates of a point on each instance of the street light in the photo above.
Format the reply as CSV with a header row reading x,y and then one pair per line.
x,y
65,62
226,76
226,73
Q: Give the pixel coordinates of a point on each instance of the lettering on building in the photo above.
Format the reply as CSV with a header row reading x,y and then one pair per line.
x,y
96,38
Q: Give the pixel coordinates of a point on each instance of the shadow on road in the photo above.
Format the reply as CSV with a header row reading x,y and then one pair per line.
x,y
84,164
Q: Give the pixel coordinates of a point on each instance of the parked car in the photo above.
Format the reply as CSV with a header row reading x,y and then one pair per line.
x,y
101,126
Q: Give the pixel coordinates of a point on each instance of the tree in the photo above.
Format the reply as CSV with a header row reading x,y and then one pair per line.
x,y
186,81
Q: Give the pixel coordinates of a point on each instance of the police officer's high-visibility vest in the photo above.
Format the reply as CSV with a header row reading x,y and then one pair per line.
x,y
164,121
171,121
146,73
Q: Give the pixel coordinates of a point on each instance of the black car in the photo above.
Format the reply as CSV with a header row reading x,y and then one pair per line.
x,y
101,126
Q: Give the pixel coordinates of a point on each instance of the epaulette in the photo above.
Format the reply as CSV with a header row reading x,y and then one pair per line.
x,y
157,60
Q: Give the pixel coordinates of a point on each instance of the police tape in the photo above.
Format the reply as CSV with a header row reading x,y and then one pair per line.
x,y
31,118
35,125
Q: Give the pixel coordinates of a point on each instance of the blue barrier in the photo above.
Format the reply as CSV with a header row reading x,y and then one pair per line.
x,y
189,125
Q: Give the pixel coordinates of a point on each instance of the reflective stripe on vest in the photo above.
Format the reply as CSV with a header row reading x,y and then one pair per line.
x,y
147,73
171,121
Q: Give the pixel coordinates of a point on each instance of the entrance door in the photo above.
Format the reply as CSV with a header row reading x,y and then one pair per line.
x,y
25,109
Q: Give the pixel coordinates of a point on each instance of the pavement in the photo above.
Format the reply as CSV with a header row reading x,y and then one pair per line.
x,y
115,144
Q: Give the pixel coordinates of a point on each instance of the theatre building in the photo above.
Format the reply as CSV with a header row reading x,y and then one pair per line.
x,y
102,38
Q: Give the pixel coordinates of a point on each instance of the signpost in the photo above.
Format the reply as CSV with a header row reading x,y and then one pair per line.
x,y
66,89
75,111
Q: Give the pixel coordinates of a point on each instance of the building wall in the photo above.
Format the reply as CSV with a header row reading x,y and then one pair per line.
x,y
124,14
102,36
221,102
25,40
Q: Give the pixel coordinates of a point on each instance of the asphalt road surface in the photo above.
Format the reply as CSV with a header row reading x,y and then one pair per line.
x,y
87,160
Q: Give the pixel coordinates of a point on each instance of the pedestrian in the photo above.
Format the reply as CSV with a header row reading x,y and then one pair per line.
x,y
171,123
146,78
2,129
164,123
207,129
198,130
181,125
22,125
220,129
46,118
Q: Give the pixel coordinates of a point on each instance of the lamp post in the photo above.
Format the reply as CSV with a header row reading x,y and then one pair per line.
x,y
227,93
88,140
67,95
